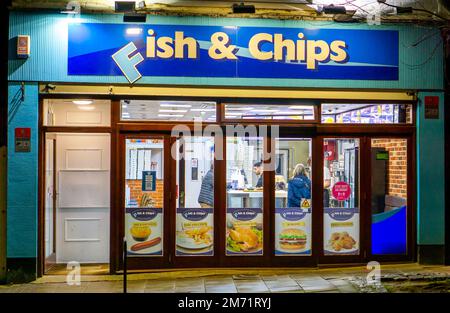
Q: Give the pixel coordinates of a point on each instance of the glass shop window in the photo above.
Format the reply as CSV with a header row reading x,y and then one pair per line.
x,y
244,213
293,190
389,164
341,196
76,112
269,112
195,196
162,110
352,113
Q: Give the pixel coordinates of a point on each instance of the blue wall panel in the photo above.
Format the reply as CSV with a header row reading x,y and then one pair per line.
x,y
430,175
22,197
420,55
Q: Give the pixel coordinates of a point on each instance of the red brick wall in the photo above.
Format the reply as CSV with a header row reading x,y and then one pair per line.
x,y
397,170
136,192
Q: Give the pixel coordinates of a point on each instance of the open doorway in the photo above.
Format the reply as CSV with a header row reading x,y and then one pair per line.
x,y
77,201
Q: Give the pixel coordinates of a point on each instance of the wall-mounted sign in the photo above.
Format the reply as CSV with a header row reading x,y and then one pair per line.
x,y
148,180
23,46
341,191
431,107
238,52
22,138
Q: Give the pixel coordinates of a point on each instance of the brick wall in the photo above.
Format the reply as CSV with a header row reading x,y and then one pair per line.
x,y
397,169
136,192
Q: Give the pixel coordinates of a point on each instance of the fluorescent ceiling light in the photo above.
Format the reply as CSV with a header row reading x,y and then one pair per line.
x,y
299,107
203,110
167,105
133,31
82,102
265,111
172,111
170,115
239,108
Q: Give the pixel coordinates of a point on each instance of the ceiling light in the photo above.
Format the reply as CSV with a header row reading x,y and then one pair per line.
x,y
170,115
168,105
203,110
299,107
173,111
134,31
82,102
239,108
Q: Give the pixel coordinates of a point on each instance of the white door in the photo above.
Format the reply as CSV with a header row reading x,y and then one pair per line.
x,y
83,180
49,172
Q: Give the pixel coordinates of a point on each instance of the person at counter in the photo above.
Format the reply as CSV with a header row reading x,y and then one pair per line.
x,y
258,170
326,187
206,196
299,186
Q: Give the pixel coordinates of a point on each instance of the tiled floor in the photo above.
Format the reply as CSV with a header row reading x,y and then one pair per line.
x,y
336,280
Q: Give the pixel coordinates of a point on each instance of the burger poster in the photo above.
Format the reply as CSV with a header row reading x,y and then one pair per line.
x,y
244,234
292,231
143,230
341,231
194,231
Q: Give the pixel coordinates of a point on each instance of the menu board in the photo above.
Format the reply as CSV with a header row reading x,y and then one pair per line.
x,y
341,231
144,231
244,233
194,232
293,231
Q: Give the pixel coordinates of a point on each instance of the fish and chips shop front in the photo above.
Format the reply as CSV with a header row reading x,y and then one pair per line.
x,y
223,142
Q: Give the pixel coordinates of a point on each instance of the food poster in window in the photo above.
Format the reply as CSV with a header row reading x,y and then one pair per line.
x,y
293,230
194,227
341,231
244,233
144,231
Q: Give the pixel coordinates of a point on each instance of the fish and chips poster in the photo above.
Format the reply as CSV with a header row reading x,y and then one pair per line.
x,y
195,232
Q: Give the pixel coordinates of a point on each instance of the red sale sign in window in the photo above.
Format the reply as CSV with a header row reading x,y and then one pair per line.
x,y
341,191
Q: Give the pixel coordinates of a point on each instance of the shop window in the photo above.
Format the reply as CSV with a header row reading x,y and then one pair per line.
x,y
293,190
195,192
144,196
389,163
244,214
341,196
352,113
269,112
159,110
76,112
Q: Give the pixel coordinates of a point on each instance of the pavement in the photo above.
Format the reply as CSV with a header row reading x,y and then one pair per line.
x,y
394,277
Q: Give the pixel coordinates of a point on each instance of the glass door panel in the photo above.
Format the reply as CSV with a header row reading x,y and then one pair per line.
x,y
389,192
244,206
341,196
293,205
195,196
144,196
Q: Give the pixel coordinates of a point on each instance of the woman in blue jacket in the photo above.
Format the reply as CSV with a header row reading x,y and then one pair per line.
x,y
299,187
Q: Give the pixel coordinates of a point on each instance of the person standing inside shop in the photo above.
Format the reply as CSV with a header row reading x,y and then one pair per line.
x,y
326,187
299,187
206,196
258,170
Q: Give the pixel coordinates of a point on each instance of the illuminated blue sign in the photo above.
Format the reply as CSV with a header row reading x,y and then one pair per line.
x,y
134,51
